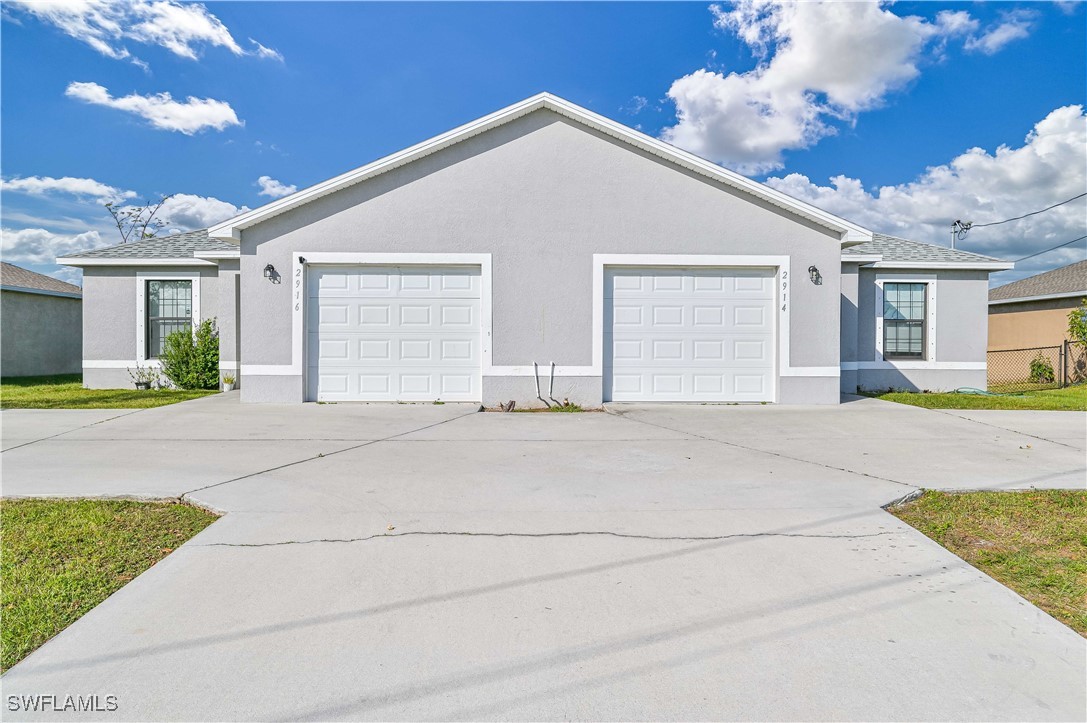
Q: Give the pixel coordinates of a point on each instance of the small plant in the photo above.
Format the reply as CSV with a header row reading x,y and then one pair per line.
x,y
228,382
190,359
566,406
1041,370
144,377
1077,322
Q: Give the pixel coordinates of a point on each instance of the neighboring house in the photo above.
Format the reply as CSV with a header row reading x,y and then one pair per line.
x,y
40,324
546,233
1033,312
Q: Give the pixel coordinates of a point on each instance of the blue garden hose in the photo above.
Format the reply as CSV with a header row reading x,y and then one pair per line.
x,y
984,393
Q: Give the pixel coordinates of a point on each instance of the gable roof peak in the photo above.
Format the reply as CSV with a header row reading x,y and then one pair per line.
x,y
848,231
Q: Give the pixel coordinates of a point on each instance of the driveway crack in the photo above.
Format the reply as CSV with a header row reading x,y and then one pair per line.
x,y
76,429
322,455
578,533
1003,429
623,415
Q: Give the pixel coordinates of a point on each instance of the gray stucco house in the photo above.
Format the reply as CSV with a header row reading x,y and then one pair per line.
x,y
40,324
545,233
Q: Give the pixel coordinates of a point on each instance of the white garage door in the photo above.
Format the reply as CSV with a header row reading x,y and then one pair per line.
x,y
689,334
394,334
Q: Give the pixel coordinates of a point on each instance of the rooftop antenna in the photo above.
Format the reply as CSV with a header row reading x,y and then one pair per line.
x,y
959,229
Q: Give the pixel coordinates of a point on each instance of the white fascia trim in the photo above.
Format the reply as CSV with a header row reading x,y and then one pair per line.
x,y
913,365
861,258
327,258
142,277
960,266
235,254
1043,297
41,292
100,261
784,303
850,232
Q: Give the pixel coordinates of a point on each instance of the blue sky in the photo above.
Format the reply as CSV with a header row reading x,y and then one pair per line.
x,y
793,95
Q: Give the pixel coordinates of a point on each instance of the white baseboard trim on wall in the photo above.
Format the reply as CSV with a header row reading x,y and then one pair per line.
x,y
810,372
913,366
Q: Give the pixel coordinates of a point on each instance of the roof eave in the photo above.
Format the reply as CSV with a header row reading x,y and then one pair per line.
x,y
849,232
41,292
82,261
961,265
1040,297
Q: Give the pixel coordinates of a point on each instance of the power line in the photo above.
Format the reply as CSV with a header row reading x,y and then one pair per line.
x,y
1054,248
1027,215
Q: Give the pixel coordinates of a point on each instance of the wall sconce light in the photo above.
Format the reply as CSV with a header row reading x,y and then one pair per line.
x,y
815,276
269,271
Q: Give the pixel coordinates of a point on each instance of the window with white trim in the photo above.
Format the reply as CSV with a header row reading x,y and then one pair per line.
x,y
169,309
904,320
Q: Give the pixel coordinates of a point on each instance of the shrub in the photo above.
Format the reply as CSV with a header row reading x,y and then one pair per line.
x,y
1041,370
190,359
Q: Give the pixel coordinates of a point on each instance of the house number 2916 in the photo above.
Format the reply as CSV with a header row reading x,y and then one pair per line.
x,y
784,290
297,289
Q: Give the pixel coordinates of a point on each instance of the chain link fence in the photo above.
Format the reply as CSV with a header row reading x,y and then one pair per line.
x,y
1043,367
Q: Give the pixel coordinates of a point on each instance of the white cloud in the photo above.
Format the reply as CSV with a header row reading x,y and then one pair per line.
x,y
981,187
39,246
1014,25
273,188
262,52
182,28
161,110
82,187
818,62
185,212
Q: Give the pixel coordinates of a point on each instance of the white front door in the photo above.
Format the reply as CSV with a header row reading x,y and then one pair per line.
x,y
689,334
409,333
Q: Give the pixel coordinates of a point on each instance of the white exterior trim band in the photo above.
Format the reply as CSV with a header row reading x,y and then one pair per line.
x,y
913,365
103,261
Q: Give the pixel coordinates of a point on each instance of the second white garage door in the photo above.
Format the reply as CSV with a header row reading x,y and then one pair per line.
x,y
394,334
689,334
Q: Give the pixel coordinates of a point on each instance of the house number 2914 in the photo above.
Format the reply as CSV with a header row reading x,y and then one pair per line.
x,y
297,289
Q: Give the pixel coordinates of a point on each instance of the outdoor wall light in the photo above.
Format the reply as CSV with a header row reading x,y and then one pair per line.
x,y
269,271
815,276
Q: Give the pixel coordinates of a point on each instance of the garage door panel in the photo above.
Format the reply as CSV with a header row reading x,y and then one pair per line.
x,y
691,283
626,314
457,350
689,334
343,314
399,383
385,333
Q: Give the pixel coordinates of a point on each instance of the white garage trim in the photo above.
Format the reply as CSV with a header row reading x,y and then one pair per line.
x,y
298,297
784,281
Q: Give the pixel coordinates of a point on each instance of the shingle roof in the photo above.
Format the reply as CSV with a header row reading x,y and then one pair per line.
x,y
178,246
1065,280
892,248
11,275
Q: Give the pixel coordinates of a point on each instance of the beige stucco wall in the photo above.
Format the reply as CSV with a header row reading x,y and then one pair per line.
x,y
1029,324
39,334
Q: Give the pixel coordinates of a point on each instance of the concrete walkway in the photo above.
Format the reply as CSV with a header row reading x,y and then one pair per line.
x,y
664,562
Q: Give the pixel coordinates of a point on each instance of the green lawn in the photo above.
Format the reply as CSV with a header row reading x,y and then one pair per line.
x,y
66,391
1034,542
1068,399
62,557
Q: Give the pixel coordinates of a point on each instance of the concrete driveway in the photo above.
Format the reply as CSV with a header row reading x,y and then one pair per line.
x,y
659,562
